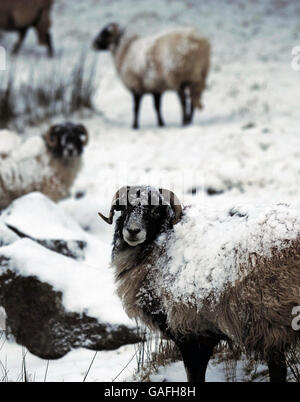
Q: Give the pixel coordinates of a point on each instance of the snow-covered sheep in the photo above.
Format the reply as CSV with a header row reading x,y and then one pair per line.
x,y
48,164
9,141
201,276
20,15
177,60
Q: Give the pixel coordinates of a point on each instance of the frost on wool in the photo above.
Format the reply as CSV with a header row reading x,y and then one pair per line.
x,y
140,57
210,249
27,164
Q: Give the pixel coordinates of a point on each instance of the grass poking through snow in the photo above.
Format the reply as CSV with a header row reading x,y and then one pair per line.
x,y
40,97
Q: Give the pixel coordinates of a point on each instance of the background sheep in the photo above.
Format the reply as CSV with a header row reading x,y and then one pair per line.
x,y
241,286
177,60
48,164
20,15
9,141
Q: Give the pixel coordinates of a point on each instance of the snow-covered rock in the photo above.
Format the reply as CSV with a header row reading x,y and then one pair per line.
x,y
37,217
7,236
54,304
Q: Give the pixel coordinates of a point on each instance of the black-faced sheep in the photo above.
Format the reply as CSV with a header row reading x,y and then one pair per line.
x,y
177,60
20,15
202,276
48,164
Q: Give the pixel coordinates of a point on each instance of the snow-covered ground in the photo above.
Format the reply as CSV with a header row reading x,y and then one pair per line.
x,y
245,144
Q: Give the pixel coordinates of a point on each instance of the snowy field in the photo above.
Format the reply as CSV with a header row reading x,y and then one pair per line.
x,y
244,146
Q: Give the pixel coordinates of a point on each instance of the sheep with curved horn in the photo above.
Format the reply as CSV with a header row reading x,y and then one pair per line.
x,y
200,276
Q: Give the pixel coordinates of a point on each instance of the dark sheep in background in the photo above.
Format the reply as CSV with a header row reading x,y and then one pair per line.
x,y
20,15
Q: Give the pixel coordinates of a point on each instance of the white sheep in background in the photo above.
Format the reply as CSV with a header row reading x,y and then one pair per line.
x,y
48,164
201,276
177,60
8,142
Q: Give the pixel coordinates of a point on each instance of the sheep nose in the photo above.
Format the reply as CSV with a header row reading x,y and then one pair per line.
x,y
133,232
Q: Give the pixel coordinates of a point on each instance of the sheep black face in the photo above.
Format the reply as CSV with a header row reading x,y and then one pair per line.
x,y
66,140
145,213
108,36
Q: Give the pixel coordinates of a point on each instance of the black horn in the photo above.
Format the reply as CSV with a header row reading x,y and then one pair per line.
x,y
114,202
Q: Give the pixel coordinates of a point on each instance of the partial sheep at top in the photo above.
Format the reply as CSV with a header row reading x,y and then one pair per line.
x,y
48,164
20,15
177,60
201,276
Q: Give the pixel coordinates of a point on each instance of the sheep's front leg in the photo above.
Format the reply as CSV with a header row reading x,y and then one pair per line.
x,y
186,105
137,103
192,110
277,367
196,354
22,35
157,105
49,44
182,98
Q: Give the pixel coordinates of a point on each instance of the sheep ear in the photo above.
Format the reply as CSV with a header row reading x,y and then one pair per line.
x,y
51,137
172,198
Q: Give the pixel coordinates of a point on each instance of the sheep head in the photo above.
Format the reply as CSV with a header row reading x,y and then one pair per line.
x,y
66,140
145,213
108,36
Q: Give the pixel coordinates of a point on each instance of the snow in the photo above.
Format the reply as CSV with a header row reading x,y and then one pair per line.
x,y
245,142
71,368
6,235
39,208
215,372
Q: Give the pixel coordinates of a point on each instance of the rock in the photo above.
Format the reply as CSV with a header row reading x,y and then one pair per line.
x,y
36,217
69,248
54,303
208,190
7,236
214,191
248,126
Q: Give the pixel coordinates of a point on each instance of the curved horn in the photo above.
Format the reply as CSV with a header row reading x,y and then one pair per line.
x,y
50,139
110,218
85,133
174,202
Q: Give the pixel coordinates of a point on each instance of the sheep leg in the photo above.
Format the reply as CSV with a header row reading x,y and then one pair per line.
x,y
277,367
42,28
196,355
22,35
137,103
157,105
49,44
183,100
191,115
